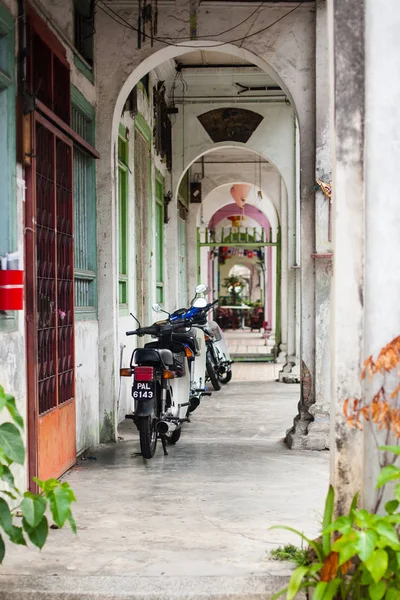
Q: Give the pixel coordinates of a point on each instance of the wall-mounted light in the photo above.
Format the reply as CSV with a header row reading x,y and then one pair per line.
x,y
167,200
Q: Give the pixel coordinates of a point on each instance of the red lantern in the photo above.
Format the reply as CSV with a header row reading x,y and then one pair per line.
x,y
239,193
11,290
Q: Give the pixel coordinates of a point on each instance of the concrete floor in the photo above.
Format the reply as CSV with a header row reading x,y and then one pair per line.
x,y
204,511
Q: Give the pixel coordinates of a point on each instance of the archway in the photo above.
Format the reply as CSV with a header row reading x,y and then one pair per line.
x,y
284,159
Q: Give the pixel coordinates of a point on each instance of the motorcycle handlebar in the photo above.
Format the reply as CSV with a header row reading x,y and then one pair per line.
x,y
158,329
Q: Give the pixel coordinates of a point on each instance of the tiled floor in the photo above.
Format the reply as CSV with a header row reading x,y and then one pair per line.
x,y
243,342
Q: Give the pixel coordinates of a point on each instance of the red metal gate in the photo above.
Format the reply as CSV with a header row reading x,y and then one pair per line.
x,y
50,306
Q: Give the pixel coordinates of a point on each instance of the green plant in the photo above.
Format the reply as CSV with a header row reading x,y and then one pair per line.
x,y
234,285
358,556
300,556
32,507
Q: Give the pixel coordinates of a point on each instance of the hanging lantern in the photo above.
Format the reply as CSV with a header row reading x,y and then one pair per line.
x,y
239,193
237,220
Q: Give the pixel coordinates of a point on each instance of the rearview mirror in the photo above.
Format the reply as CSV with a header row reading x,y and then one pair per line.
x,y
201,288
200,303
157,308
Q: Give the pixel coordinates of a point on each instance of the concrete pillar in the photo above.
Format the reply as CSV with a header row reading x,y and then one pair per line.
x,y
346,30
283,348
318,431
291,370
382,207
107,276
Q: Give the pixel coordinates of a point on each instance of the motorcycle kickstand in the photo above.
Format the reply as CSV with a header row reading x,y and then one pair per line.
x,y
164,444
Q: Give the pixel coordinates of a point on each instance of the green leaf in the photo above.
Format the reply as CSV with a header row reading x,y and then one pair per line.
x,y
37,535
392,594
314,545
2,401
377,564
11,443
377,590
366,544
389,534
320,589
388,473
7,476
14,413
391,506
9,494
394,449
332,588
327,521
295,582
366,577
364,519
33,508
72,522
279,594
342,524
354,502
2,549
47,486
5,516
60,505
16,535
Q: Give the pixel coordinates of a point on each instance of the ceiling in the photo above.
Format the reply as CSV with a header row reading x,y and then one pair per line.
x,y
232,155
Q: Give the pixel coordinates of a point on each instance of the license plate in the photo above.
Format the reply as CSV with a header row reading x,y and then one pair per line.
x,y
143,390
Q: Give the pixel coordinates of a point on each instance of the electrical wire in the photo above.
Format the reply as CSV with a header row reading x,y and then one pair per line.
x,y
124,23
200,36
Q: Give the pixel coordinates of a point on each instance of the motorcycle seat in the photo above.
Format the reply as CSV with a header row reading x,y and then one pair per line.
x,y
154,356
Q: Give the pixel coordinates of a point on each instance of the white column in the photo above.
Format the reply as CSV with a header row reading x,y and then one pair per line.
x,y
346,29
271,337
283,349
318,431
382,208
107,274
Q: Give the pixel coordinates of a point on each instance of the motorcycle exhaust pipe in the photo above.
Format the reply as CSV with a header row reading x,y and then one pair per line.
x,y
194,402
165,427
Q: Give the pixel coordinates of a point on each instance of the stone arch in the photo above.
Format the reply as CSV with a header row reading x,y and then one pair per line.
x,y
288,185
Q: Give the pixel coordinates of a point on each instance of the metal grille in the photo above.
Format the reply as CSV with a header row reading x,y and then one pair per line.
x,y
46,260
65,271
54,246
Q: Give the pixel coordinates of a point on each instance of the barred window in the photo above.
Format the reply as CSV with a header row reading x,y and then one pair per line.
x,y
84,211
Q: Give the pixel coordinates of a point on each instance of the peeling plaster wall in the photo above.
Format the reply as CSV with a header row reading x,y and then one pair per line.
x,y
12,343
87,389
347,85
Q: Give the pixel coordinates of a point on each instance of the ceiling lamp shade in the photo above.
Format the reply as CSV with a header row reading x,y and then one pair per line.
x,y
239,193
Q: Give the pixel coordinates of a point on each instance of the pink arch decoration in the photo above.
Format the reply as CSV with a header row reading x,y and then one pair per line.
x,y
257,215
249,210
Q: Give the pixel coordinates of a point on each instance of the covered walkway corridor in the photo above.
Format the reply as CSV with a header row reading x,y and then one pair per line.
x,y
202,512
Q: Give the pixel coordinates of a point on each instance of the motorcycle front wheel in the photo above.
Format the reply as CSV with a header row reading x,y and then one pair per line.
x,y
213,376
148,436
225,377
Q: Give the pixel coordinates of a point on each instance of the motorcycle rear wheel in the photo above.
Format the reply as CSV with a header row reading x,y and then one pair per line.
x,y
225,377
213,376
148,436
